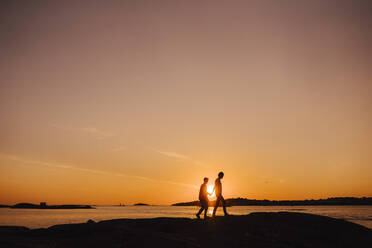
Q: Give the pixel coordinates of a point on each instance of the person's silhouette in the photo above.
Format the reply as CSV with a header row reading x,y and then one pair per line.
x,y
203,197
218,190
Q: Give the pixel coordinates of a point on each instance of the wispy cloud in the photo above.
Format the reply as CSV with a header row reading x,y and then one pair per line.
x,y
160,181
181,157
173,155
93,131
50,164
93,171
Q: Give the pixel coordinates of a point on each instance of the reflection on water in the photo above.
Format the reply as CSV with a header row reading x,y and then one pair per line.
x,y
36,218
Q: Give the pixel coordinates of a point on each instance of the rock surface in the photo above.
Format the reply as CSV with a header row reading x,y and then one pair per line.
x,y
282,229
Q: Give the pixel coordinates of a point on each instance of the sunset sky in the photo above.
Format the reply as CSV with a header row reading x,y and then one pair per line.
x,y
108,102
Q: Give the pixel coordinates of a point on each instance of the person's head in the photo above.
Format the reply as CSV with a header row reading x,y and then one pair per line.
x,y
220,175
206,179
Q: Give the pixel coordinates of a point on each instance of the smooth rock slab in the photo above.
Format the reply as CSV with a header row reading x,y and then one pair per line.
x,y
282,229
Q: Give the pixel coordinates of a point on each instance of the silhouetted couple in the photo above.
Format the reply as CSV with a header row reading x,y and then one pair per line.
x,y
203,196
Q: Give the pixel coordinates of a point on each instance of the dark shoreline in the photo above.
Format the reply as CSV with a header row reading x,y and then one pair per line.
x,y
273,229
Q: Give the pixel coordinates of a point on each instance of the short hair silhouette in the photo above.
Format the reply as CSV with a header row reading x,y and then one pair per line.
x,y
206,179
220,175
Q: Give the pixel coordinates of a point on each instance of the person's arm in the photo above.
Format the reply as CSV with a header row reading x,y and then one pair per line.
x,y
214,187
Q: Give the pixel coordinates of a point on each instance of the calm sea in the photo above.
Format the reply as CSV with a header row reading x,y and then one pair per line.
x,y
34,218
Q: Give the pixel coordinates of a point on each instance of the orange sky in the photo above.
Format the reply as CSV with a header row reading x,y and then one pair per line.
x,y
136,101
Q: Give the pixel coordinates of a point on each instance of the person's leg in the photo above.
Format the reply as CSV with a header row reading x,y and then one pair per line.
x,y
205,205
224,205
216,206
200,211
205,211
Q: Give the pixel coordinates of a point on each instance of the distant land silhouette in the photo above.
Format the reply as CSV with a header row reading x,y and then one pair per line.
x,y
141,204
254,202
43,205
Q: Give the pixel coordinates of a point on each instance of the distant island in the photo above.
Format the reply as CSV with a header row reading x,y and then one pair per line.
x,y
43,205
141,204
249,202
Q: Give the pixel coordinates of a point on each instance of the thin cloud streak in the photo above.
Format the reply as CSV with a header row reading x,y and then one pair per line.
x,y
93,131
173,154
72,167
181,157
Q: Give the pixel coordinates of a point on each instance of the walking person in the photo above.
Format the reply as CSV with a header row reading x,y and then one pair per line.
x,y
203,197
219,198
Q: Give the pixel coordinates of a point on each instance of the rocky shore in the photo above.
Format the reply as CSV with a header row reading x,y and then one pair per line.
x,y
276,229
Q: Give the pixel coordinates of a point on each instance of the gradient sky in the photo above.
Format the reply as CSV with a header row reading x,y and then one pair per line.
x,y
136,101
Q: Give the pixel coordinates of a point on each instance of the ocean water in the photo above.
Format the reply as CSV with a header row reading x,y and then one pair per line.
x,y
36,218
